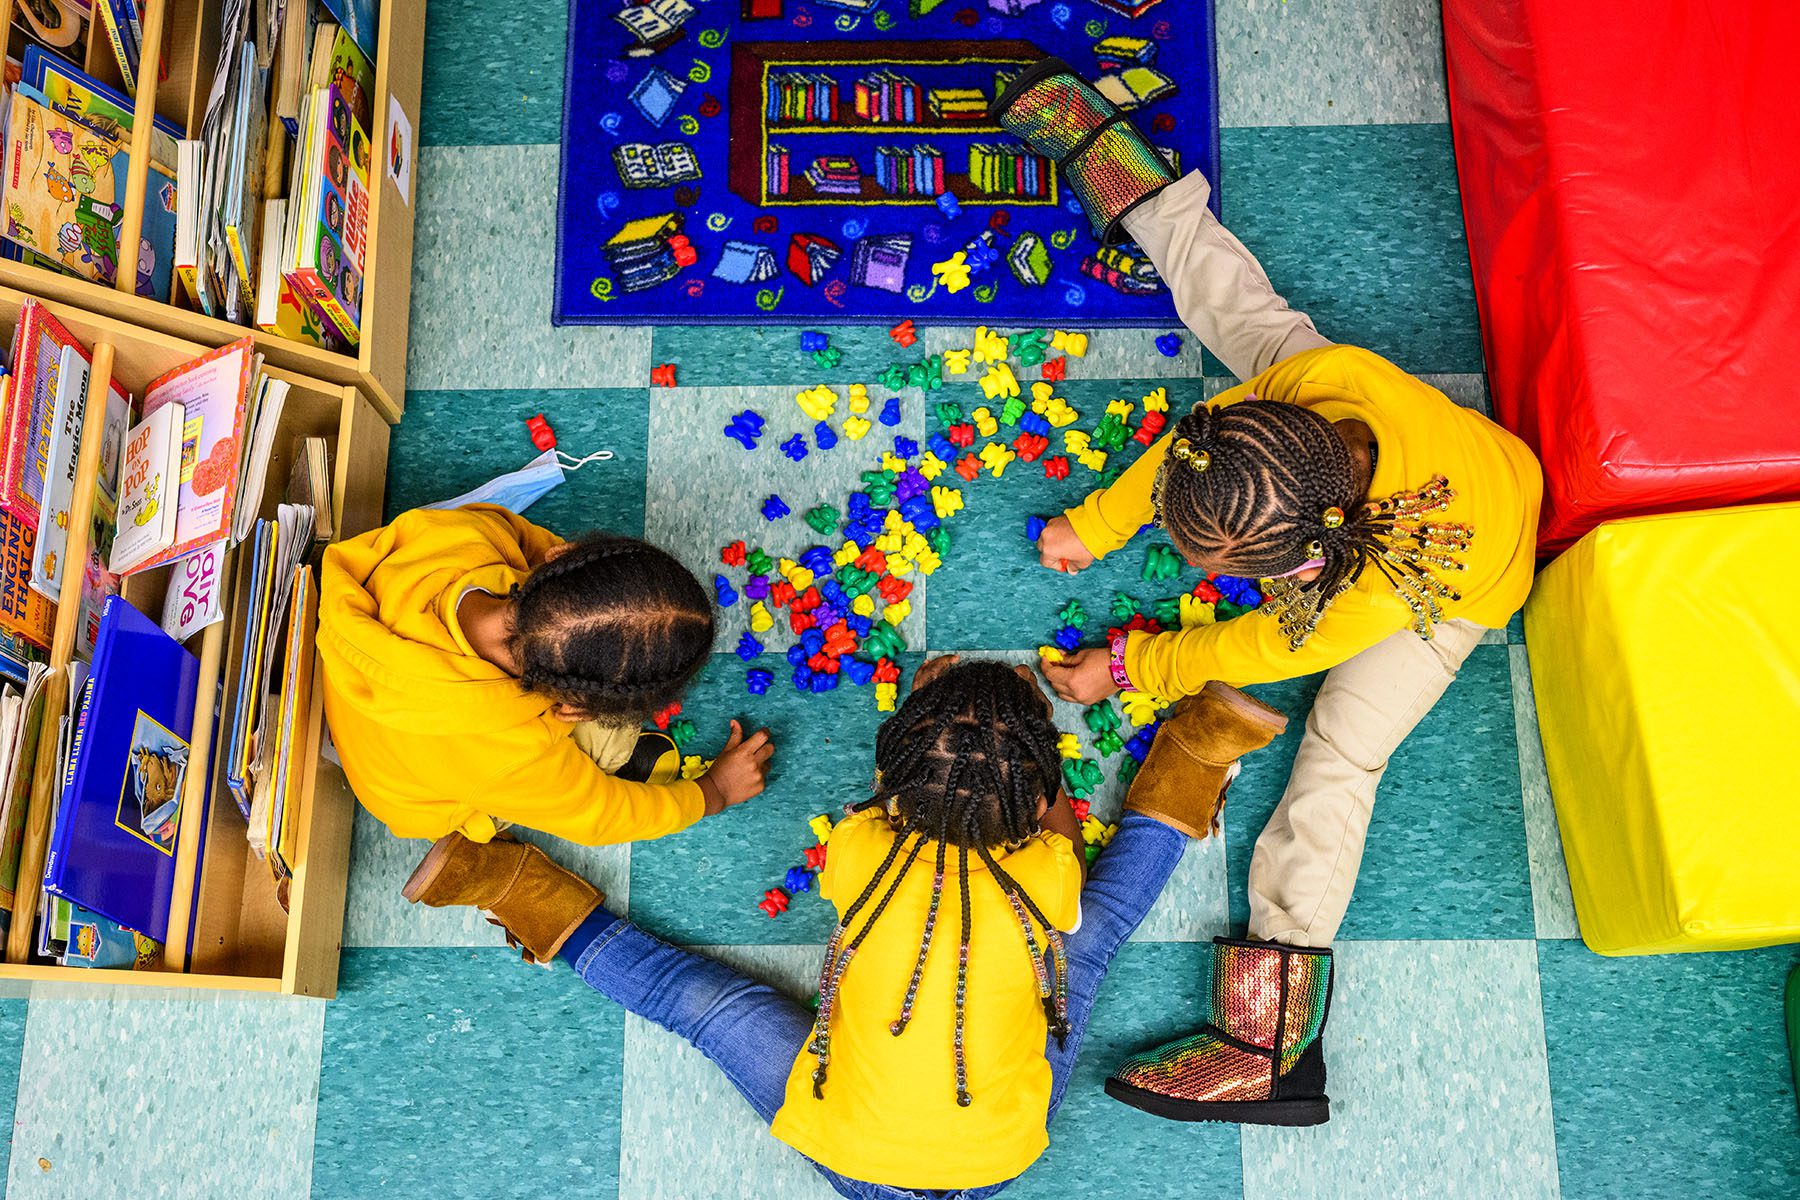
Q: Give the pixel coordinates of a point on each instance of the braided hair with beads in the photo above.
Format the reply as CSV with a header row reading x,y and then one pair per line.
x,y
612,626
1261,488
961,766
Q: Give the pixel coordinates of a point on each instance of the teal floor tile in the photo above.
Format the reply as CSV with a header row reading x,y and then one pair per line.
x,y
1435,1061
702,885
209,1095
706,491
452,442
1099,1147
503,87
484,250
376,914
467,1073
12,1042
1445,856
1330,62
723,356
1553,904
1361,227
991,591
1670,1073
686,1132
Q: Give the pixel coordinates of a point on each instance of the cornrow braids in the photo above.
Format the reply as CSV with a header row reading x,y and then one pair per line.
x,y
963,763
612,626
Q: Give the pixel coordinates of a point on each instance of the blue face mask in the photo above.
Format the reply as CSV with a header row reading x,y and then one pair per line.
x,y
519,490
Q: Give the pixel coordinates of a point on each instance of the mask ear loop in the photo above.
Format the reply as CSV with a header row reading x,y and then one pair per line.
x,y
569,462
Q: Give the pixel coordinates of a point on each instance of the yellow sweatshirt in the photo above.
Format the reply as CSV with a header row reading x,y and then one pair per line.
x,y
435,738
1420,433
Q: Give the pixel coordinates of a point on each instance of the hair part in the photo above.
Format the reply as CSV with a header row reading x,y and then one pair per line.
x,y
1262,488
964,763
613,627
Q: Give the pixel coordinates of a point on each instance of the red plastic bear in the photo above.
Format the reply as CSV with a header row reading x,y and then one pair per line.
x,y
1056,467
732,555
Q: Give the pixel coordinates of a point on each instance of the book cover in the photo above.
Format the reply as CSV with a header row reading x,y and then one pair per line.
x,y
149,478
102,943
283,831
64,461
64,184
74,93
116,37
333,235
347,69
214,394
358,17
112,848
30,415
280,309
23,612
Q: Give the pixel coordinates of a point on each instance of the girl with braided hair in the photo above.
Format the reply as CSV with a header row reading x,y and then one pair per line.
x,y
957,984
1390,527
479,671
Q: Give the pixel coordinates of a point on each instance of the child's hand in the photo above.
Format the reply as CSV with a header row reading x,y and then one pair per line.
x,y
740,771
1060,550
1084,677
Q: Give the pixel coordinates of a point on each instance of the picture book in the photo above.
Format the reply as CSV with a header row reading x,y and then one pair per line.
x,y
1135,86
196,594
358,18
113,19
278,547
30,416
331,220
150,470
343,65
64,459
112,846
279,307
23,612
100,942
281,832
63,197
214,393
62,25
74,93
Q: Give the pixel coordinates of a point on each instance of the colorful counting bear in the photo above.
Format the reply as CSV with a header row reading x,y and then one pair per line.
x,y
953,273
1150,428
1196,612
985,424
886,694
1082,776
821,830
1056,467
1169,345
815,857
859,398
1055,369
996,457
990,346
757,681
1161,563
956,362
748,647
827,358
1073,344
817,402
797,880
812,341
824,435
823,519
761,620
745,428
897,612
905,447
1012,410
663,376
694,766
931,466
999,382
904,333
948,205
722,591
1069,746
968,466
1100,718
795,447
855,427
682,732
775,508
890,412
961,435
1034,529
1157,400
732,555
1140,707
1030,446
946,501
774,902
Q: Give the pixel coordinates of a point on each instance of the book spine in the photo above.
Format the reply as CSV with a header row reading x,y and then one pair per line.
x,y
189,281
310,286
117,39
59,837
240,260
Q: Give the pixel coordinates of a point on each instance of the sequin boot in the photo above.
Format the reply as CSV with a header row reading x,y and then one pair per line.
x,y
1104,159
1260,1060
1195,757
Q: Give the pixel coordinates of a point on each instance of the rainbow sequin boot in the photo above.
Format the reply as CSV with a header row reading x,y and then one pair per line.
x,y
1259,1061
1105,160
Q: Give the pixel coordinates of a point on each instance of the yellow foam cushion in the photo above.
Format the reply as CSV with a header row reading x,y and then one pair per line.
x,y
1665,654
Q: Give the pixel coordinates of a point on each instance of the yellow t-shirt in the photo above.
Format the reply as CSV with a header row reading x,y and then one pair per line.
x,y
1421,433
889,1114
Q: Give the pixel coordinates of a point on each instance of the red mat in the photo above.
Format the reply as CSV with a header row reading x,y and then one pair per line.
x,y
1630,177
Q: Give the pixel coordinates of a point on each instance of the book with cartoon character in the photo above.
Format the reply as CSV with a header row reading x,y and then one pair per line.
x,y
112,847
149,478
64,197
327,237
47,567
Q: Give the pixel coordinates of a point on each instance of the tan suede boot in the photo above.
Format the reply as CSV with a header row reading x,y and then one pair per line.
x,y
1194,758
537,902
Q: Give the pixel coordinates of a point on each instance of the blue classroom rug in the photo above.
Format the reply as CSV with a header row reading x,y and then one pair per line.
x,y
773,161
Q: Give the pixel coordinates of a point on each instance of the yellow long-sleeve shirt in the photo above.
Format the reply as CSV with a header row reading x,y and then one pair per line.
x,y
1420,433
435,738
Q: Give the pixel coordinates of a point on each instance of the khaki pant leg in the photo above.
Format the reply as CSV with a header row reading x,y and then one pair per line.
x,y
608,745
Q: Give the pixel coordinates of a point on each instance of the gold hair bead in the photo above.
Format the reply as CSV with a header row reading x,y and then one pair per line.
x,y
1333,517
1184,450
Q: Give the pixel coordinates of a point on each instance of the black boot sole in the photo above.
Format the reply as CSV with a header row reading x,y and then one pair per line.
x,y
1312,1110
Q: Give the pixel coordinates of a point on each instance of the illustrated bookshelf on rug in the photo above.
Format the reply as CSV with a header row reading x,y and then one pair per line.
x,y
879,123
231,922
184,36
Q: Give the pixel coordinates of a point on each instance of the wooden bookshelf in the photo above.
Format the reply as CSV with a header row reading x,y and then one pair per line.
x,y
188,30
752,63
242,940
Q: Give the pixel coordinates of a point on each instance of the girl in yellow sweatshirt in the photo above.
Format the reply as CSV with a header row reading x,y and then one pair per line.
x,y
479,671
1390,527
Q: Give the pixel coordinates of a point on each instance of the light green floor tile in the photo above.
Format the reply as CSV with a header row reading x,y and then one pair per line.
x,y
1330,62
1553,905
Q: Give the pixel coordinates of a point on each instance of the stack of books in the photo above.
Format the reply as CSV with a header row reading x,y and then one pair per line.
x,y
642,253
775,170
958,104
835,175
1008,170
910,170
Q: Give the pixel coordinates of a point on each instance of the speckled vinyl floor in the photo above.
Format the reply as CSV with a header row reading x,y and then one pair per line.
x,y
1477,1050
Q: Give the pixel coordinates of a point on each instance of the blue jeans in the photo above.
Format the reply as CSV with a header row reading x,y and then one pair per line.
x,y
753,1033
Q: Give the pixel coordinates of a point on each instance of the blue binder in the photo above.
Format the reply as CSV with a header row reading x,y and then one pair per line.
x,y
112,849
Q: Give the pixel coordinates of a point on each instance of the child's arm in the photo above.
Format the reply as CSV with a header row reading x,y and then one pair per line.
x,y
1110,517
1060,818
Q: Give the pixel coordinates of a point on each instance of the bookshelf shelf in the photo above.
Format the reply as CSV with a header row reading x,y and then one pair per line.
x,y
189,33
909,75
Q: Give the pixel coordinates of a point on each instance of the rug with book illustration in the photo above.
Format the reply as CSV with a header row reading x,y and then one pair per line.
x,y
780,161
